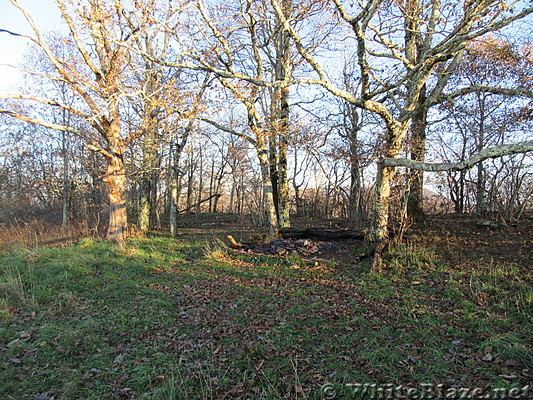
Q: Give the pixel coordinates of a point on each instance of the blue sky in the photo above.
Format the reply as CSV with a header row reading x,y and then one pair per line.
x,y
12,48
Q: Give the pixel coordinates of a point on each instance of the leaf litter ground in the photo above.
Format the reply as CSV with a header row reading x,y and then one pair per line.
x,y
188,318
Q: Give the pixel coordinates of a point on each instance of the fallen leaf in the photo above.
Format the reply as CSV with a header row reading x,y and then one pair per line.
x,y
118,359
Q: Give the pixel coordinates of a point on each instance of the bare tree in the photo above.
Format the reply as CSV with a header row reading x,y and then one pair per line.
x,y
160,93
396,93
483,119
234,56
95,75
248,49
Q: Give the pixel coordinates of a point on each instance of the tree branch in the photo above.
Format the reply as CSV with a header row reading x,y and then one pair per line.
x,y
41,123
491,152
244,136
94,146
50,102
17,34
481,88
324,80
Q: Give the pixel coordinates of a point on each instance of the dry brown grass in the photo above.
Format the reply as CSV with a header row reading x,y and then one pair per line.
x,y
37,233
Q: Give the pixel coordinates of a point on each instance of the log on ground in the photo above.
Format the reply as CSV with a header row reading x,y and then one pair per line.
x,y
322,233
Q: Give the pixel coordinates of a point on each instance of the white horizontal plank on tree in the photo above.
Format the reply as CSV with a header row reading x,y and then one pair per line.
x,y
491,152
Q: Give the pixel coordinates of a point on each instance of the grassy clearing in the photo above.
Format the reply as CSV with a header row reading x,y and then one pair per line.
x,y
189,319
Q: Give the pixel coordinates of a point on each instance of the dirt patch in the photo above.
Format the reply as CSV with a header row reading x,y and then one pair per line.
x,y
460,237
456,238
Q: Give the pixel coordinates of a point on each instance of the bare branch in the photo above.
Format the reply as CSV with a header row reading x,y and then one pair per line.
x,y
481,88
54,103
324,80
99,149
17,34
491,152
46,124
224,128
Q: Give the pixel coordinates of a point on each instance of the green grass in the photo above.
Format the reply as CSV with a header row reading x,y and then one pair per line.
x,y
187,318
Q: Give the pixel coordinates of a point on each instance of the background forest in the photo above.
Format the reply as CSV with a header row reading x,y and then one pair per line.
x,y
137,112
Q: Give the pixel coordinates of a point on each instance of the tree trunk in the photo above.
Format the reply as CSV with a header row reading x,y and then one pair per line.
x,y
175,186
385,175
215,205
280,115
273,166
155,216
218,180
379,234
283,181
148,180
173,212
200,184
298,201
327,192
415,202
190,183
240,195
211,184
116,183
232,193
272,220
322,233
354,202
150,130
413,46
481,200
66,184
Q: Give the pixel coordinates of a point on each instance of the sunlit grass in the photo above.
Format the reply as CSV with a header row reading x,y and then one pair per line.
x,y
191,318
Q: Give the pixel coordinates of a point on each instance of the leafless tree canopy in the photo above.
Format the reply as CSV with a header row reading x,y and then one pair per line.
x,y
137,111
